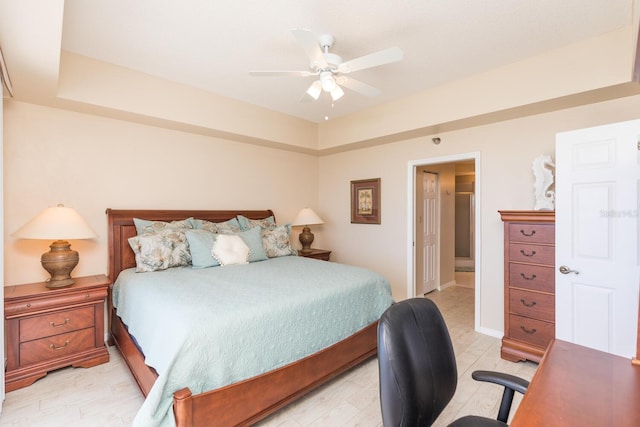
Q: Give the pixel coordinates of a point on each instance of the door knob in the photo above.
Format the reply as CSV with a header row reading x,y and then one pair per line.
x,y
566,270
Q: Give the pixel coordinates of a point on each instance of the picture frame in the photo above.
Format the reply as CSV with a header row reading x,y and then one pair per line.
x,y
365,201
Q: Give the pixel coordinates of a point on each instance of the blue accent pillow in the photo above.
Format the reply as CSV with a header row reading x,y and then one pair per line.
x,y
201,242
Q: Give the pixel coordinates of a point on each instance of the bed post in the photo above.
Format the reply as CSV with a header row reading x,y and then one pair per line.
x,y
182,408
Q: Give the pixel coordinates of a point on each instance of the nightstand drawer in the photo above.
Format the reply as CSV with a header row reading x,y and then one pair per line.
x,y
532,233
536,332
56,346
532,304
45,302
534,254
56,323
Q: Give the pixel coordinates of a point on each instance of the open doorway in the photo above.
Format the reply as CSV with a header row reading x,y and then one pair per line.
x,y
443,232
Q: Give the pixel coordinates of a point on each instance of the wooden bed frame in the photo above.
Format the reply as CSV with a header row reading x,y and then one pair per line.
x,y
245,402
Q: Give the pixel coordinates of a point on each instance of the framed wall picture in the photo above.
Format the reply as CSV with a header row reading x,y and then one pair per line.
x,y
365,201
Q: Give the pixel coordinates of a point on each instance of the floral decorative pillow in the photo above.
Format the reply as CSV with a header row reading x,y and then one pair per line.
x,y
147,226
158,251
275,241
230,250
246,223
226,227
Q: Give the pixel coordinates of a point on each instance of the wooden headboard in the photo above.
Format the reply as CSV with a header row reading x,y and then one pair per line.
x,y
121,228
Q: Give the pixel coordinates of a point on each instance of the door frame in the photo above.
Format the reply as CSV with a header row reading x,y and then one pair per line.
x,y
412,166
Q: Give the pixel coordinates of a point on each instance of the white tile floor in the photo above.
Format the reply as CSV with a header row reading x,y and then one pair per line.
x,y
107,395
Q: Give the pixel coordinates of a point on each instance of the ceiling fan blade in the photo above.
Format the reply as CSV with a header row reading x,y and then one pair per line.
x,y
358,86
386,56
282,73
309,42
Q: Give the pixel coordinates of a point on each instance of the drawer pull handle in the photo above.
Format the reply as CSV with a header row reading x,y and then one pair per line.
x,y
528,234
61,324
528,331
54,348
527,254
524,276
531,304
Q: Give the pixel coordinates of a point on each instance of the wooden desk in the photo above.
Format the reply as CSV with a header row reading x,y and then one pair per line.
x,y
578,386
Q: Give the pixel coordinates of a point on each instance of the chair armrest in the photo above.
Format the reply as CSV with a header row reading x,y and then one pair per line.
x,y
510,381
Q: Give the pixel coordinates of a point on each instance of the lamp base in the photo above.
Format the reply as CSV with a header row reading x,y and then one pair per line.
x,y
59,262
306,239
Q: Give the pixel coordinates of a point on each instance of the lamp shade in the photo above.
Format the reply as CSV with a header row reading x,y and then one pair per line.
x,y
307,216
56,223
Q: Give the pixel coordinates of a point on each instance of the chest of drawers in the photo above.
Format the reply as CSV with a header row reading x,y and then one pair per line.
x,y
48,329
529,284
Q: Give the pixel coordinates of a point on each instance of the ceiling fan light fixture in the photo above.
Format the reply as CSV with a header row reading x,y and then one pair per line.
x,y
327,81
315,90
337,93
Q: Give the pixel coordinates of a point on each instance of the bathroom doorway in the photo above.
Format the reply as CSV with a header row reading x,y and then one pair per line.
x,y
453,265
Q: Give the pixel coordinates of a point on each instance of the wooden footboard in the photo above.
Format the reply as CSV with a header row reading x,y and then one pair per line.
x,y
246,402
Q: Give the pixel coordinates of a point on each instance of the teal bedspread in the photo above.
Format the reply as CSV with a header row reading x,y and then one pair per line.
x,y
206,328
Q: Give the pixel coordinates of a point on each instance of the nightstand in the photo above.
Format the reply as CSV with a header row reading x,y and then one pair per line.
x,y
47,329
317,254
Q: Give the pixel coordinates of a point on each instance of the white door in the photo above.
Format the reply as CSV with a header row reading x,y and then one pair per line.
x,y
597,185
428,281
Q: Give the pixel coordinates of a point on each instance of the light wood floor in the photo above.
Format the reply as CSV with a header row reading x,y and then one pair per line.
x,y
107,395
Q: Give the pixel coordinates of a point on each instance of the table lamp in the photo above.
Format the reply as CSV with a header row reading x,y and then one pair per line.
x,y
307,217
57,223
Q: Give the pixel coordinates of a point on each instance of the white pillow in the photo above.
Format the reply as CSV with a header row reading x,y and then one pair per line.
x,y
230,249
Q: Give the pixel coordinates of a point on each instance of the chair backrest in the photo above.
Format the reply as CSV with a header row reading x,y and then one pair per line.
x,y
417,366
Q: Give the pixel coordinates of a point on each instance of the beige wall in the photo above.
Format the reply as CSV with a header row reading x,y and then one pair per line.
x,y
507,150
92,163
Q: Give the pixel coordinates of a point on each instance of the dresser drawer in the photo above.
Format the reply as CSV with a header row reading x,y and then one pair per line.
x,y
532,304
534,254
536,277
56,346
532,331
46,325
532,233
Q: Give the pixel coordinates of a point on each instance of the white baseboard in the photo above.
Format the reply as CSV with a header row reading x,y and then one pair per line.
x,y
447,285
490,332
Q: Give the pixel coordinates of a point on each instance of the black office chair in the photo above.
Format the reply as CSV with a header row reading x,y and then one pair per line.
x,y
418,374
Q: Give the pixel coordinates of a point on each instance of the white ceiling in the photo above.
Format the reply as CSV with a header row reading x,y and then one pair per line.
x,y
212,45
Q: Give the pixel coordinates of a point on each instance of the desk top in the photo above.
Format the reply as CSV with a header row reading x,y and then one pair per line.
x,y
579,386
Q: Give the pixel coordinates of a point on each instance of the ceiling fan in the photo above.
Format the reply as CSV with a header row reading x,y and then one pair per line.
x,y
330,69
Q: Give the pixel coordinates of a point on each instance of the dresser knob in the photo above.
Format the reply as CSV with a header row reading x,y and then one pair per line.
x,y
532,253
61,324
528,331
531,304
54,348
524,233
